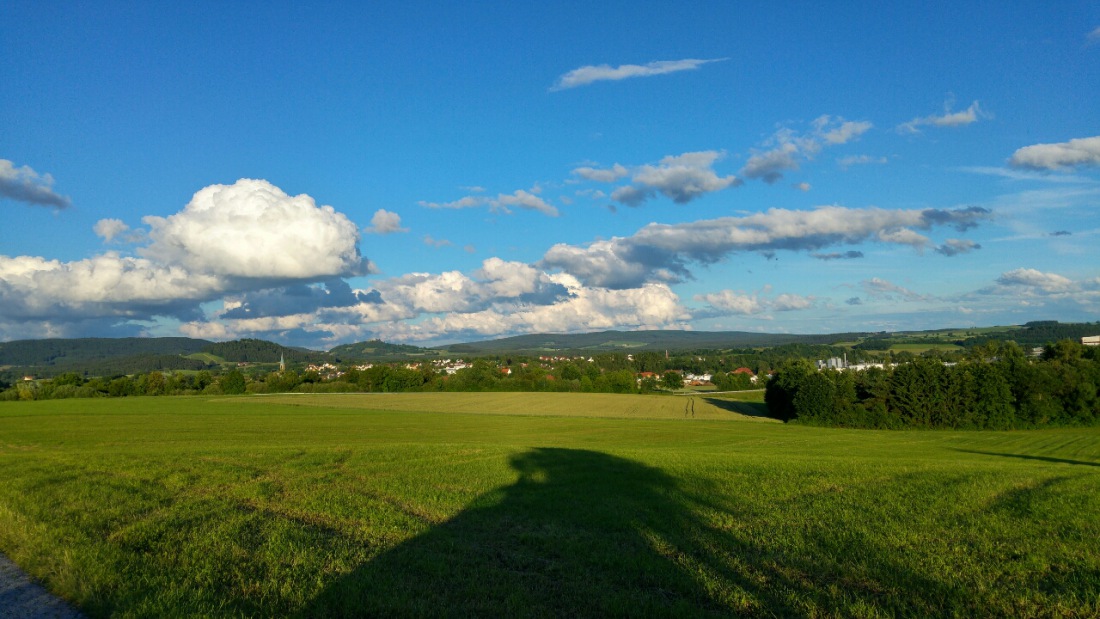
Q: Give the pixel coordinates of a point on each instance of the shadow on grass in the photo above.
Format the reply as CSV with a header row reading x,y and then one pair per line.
x,y
748,409
1027,457
588,534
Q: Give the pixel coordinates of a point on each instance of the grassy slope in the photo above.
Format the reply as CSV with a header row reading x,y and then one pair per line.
x,y
248,506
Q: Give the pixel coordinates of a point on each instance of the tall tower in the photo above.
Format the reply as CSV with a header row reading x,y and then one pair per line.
x,y
282,363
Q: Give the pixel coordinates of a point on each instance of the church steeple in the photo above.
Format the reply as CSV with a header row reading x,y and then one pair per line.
x,y
282,363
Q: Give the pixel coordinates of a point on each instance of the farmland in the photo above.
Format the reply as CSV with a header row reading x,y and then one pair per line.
x,y
538,504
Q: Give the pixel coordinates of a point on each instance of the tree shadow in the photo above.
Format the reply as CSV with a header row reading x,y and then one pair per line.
x,y
748,409
1027,457
586,534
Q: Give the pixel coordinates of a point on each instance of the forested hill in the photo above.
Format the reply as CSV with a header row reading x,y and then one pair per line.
x,y
377,349
1040,333
83,351
632,341
262,351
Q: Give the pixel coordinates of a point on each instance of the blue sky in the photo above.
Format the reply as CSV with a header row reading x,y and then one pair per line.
x,y
326,173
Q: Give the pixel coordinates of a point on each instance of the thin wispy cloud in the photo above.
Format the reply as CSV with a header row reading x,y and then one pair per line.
x,y
1093,37
431,241
1019,174
851,160
735,303
954,247
502,203
602,73
948,119
466,202
788,147
848,255
882,289
23,184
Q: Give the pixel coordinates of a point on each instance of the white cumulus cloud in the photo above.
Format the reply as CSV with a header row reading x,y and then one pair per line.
x,y
1032,278
228,239
110,229
1078,152
252,229
385,222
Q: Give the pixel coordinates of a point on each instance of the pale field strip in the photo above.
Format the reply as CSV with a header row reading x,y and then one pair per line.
x,y
522,403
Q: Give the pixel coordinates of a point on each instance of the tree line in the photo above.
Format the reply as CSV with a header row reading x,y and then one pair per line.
x,y
995,386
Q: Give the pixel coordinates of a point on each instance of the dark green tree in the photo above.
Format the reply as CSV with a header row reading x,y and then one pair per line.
x,y
672,380
232,382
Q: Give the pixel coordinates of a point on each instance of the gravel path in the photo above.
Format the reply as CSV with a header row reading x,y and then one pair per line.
x,y
22,598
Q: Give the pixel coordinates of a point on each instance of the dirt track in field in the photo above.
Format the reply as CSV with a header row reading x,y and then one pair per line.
x,y
22,598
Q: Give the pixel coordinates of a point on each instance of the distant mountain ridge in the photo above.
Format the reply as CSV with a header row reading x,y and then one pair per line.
x,y
112,356
627,341
52,352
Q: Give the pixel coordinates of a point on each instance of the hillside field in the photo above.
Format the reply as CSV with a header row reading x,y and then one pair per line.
x,y
538,505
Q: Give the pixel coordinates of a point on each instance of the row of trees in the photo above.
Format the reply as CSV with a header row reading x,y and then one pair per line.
x,y
482,375
995,387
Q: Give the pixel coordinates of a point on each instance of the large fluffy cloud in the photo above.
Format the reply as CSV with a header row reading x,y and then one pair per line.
x,y
496,282
252,229
228,239
582,309
500,298
33,288
599,73
23,184
661,252
1079,152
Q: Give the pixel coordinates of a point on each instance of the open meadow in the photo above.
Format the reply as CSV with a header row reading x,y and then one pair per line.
x,y
530,504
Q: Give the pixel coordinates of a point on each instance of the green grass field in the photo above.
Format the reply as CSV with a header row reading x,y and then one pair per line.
x,y
538,505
